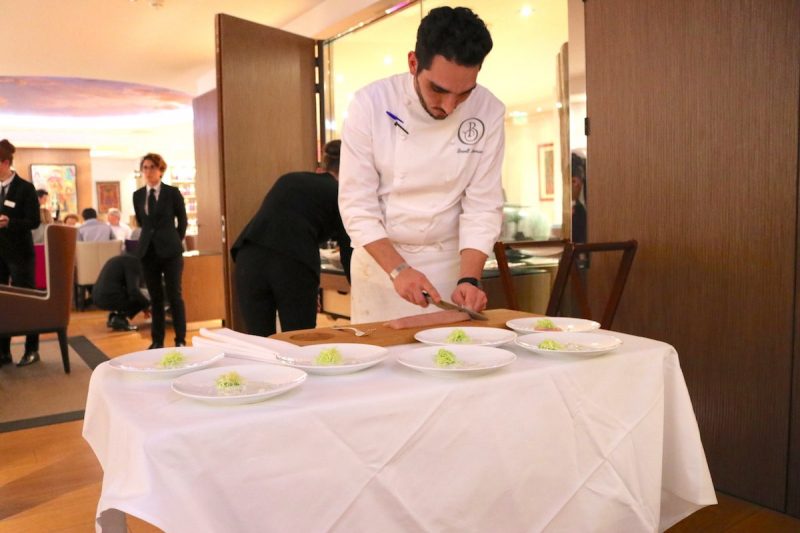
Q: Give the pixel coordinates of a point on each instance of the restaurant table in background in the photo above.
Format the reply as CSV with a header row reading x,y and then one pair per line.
x,y
608,443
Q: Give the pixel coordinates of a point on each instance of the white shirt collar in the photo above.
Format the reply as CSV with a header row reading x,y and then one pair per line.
x,y
8,181
157,188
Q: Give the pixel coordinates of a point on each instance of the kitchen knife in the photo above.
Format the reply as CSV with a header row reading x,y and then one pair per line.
x,y
447,306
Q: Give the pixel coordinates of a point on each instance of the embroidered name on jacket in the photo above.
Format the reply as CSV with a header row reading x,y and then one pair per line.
x,y
471,131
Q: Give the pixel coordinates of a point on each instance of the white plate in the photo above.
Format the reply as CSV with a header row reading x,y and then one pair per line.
x,y
576,344
469,359
573,325
260,382
478,336
147,361
355,357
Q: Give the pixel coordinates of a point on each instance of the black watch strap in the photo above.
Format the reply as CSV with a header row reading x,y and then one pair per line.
x,y
472,281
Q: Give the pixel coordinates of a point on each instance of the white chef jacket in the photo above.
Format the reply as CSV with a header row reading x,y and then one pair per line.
x,y
437,187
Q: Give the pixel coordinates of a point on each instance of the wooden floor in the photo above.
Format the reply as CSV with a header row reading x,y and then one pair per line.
x,y
50,479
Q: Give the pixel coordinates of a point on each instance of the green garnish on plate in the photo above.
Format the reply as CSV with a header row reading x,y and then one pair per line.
x,y
550,345
230,382
172,359
445,358
458,336
329,356
546,324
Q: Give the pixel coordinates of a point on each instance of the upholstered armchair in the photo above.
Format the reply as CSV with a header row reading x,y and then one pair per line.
x,y
44,311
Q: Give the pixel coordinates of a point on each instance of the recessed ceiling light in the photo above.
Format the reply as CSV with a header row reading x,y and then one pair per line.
x,y
526,11
387,60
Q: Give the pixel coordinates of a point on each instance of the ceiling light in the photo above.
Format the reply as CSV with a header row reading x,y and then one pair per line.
x,y
559,105
387,60
526,11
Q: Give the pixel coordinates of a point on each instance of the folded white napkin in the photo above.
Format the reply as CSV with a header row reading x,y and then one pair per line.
x,y
243,345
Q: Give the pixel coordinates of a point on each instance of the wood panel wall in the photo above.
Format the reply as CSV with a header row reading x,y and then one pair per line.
x,y
267,120
207,176
694,152
24,157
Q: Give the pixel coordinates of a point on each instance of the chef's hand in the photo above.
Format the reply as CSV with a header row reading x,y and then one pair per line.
x,y
410,283
470,296
3,221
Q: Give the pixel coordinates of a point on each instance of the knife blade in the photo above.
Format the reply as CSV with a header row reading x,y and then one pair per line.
x,y
447,306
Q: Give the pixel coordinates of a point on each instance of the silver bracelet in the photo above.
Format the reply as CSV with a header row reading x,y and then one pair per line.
x,y
396,270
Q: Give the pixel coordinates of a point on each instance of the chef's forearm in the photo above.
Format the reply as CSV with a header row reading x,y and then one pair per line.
x,y
385,254
472,262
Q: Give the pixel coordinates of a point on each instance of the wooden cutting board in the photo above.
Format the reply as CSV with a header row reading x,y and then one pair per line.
x,y
386,336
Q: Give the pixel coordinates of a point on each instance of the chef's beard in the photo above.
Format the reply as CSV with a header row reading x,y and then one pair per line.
x,y
425,105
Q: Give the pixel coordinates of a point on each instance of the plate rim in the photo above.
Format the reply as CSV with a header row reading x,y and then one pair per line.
x,y
384,353
526,330
218,354
289,386
491,344
456,370
535,349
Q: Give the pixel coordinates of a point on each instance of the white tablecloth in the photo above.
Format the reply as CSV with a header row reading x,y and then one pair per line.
x,y
601,444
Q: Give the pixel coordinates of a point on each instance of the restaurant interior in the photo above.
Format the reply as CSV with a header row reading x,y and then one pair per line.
x,y
684,118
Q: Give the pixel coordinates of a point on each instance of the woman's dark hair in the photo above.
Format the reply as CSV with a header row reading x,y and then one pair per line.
x,y
7,151
330,155
41,193
156,159
455,33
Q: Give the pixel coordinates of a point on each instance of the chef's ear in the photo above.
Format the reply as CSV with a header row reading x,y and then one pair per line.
x,y
412,63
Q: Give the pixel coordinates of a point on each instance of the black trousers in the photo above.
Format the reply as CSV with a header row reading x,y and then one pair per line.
x,y
171,269
21,274
121,303
268,281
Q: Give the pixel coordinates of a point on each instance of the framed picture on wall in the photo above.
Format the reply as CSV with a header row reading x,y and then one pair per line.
x,y
547,179
60,182
107,196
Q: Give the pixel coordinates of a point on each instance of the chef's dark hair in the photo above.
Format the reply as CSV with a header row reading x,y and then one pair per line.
x,y
456,33
7,151
330,155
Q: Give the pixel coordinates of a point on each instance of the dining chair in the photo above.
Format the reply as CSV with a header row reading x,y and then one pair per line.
x,y
45,311
501,254
570,273
90,257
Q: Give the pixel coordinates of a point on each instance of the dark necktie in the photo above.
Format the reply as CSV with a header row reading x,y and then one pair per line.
x,y
2,196
151,202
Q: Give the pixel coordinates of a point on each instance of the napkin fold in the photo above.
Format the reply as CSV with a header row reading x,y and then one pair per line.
x,y
242,345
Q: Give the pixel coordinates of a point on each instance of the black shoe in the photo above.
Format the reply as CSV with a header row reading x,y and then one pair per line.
x,y
111,316
156,345
28,359
120,323
5,359
180,343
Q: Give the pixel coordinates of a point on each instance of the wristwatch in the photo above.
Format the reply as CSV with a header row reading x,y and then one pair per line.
x,y
472,281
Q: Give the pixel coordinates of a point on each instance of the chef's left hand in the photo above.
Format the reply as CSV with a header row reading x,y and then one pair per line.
x,y
470,297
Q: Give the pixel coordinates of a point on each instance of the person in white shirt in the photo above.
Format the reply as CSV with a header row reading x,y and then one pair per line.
x,y
420,189
121,230
93,229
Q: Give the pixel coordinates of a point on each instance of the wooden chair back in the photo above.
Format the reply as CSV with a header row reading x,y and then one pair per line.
x,y
568,272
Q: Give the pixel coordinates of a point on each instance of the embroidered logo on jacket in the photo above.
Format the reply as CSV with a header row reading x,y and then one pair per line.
x,y
471,131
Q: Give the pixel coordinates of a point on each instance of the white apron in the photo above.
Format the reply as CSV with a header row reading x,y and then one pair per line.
x,y
372,296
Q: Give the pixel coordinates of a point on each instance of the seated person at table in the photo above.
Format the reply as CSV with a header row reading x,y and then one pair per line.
x,y
118,290
277,254
121,230
71,219
93,229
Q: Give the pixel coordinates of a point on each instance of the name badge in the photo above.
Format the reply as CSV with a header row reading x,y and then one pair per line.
x,y
9,203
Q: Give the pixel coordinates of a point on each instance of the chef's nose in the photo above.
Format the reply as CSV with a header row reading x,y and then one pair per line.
x,y
449,103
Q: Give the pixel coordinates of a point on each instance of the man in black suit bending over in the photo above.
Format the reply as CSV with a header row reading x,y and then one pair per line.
x,y
117,290
19,214
161,213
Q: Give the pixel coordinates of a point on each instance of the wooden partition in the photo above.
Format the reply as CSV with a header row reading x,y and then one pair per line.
x,y
207,177
693,151
267,121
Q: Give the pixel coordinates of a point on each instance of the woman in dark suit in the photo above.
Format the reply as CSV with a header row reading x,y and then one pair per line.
x,y
161,213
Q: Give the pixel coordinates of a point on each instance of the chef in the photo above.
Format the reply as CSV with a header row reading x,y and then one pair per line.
x,y
420,191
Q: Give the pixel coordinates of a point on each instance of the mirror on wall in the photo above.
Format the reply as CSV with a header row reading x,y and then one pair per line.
x,y
524,70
